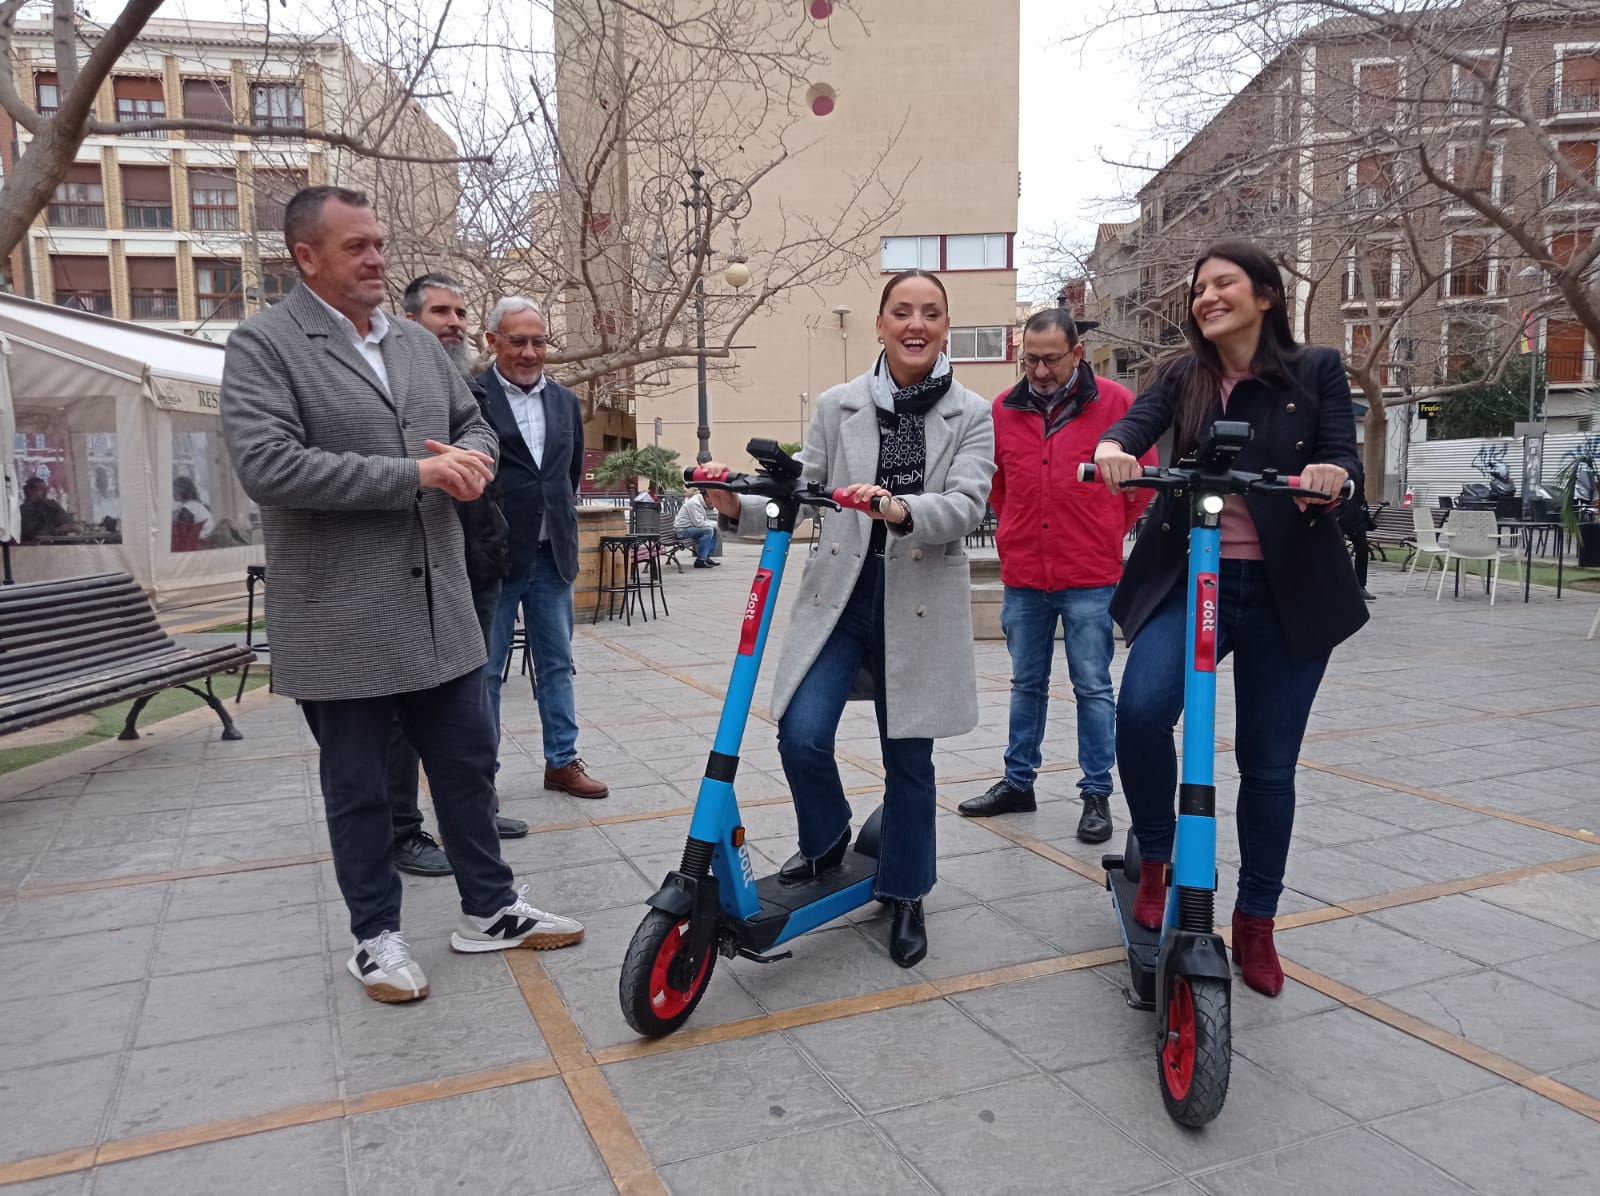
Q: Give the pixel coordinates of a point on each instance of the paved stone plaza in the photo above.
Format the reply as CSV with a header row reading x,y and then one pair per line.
x,y
178,1018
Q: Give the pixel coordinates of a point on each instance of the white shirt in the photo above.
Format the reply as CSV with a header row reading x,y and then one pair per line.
x,y
369,346
694,513
527,407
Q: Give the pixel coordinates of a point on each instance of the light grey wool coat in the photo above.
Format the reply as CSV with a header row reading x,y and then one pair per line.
x,y
932,682
367,590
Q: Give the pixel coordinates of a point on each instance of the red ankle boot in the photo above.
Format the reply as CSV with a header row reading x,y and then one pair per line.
x,y
1256,956
1150,902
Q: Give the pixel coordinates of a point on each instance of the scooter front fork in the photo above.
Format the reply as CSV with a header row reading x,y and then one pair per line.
x,y
1194,868
693,892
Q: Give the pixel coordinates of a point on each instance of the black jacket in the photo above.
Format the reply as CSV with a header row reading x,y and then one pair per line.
x,y
484,524
1309,420
530,490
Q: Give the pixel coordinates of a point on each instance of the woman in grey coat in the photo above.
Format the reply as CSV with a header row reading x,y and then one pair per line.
x,y
887,594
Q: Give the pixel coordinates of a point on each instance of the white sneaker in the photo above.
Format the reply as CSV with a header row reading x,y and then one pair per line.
x,y
517,925
385,966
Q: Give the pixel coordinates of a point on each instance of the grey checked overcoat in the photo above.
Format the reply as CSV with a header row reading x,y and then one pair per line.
x,y
367,590
931,684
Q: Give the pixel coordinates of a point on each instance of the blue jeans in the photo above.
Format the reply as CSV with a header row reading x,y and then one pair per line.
x,y
906,847
1273,694
705,539
1028,618
546,601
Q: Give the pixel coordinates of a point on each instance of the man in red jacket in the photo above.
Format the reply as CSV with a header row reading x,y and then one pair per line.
x,y
1060,544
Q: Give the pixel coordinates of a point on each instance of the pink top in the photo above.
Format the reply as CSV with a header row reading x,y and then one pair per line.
x,y
1239,539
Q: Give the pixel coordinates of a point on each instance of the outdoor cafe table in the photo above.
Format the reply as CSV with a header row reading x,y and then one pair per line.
x,y
1527,529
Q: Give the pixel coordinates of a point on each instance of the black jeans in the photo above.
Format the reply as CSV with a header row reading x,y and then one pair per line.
x,y
450,725
400,771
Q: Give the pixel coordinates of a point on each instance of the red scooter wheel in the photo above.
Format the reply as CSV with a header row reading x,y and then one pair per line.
x,y
1197,1053
656,997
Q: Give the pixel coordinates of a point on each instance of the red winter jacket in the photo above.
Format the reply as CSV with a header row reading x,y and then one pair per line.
x,y
1055,532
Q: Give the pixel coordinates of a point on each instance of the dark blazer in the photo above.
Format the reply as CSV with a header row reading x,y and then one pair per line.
x,y
1307,420
531,489
483,523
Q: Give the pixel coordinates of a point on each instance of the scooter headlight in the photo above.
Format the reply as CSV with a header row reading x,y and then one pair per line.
x,y
772,510
1211,504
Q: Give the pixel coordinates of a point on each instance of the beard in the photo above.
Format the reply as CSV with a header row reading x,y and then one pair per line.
x,y
460,355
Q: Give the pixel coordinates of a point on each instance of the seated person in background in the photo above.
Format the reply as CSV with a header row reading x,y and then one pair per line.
x,y
41,514
186,504
695,522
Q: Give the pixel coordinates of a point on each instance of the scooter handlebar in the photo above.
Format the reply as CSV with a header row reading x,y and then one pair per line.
x,y
874,505
1088,471
699,473
1346,492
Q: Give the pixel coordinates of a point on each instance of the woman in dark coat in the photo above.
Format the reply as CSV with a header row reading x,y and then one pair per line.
x,y
1288,594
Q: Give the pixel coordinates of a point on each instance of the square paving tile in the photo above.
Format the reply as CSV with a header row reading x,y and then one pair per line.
x,y
839,1159
723,1096
1358,1065
51,1027
75,962
539,1144
198,1004
1573,972
1354,1162
1334,874
244,892
971,938
1060,1021
1560,900
1519,844
1070,920
75,865
229,1075
199,944
383,1046
1014,872
1519,1020
887,1059
991,1141
307,1160
1504,1140
828,965
1262,1112
1478,930
54,1106
1368,956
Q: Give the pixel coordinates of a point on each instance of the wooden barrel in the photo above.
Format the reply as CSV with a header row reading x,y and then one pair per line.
x,y
593,522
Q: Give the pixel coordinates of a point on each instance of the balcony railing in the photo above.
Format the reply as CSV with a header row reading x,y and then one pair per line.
x,y
1386,288
1568,367
1557,188
98,302
215,219
145,213
154,303
221,307
1365,199
1575,99
1171,335
1472,282
269,216
75,213
128,118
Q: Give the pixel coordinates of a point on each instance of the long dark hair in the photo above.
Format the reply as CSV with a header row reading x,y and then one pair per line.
x,y
1197,375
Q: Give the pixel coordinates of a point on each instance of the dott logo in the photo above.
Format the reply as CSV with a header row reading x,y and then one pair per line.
x,y
1205,624
753,608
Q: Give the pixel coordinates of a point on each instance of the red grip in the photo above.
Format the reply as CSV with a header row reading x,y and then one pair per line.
x,y
1292,480
702,474
852,503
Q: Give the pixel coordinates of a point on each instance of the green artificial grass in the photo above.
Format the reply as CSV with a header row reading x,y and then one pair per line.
x,y
108,722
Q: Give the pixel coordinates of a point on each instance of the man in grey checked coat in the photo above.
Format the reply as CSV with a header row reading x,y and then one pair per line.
x,y
353,434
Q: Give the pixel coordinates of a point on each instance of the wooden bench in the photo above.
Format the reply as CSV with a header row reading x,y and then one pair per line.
x,y
84,643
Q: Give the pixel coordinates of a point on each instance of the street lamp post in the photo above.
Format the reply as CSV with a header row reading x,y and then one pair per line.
x,y
702,203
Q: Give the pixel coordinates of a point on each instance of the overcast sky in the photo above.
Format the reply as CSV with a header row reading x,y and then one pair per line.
x,y
1080,105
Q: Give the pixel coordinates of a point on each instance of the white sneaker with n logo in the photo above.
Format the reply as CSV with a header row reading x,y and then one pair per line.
x,y
385,966
517,925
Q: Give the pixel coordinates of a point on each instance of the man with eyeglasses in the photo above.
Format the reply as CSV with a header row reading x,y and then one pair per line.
x,y
1060,544
540,425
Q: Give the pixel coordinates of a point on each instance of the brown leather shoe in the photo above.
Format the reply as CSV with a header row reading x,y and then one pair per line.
x,y
574,779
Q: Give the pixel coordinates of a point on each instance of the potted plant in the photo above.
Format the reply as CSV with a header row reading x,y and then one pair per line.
x,y
649,463
1578,485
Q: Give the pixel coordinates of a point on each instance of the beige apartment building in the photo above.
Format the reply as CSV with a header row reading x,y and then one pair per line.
x,y
921,95
1319,159
184,230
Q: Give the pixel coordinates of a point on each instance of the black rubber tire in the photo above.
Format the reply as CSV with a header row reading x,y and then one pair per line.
x,y
634,987
1213,1055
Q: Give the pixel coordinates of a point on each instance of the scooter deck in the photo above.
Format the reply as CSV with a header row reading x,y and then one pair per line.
x,y
1143,945
789,909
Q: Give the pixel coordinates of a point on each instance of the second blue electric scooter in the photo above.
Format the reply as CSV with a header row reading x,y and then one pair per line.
x,y
1181,971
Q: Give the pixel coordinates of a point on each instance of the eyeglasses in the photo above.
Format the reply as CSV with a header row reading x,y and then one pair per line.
x,y
524,342
1050,361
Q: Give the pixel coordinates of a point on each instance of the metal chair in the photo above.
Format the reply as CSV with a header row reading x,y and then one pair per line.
x,y
1473,536
1425,540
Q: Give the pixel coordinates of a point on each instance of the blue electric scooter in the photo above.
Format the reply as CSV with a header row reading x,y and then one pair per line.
x,y
1181,971
713,902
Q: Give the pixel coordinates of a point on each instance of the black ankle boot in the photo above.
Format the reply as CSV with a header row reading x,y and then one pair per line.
x,y
798,868
908,938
